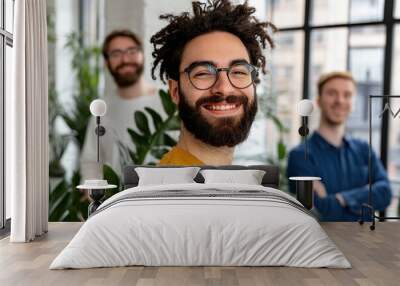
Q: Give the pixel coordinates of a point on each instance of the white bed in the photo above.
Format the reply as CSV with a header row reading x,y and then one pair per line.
x,y
201,225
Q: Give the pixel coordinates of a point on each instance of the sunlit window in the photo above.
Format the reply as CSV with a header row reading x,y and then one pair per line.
x,y
342,35
6,43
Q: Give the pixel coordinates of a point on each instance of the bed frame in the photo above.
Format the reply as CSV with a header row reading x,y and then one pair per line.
x,y
270,179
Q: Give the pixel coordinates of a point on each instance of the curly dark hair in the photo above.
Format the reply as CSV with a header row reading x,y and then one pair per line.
x,y
214,15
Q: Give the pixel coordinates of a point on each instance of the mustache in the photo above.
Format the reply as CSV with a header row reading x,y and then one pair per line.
x,y
233,99
127,65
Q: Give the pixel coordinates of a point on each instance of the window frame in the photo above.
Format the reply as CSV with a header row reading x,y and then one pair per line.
x,y
389,22
6,39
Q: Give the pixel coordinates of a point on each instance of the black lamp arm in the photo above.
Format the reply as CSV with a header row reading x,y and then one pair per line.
x,y
100,131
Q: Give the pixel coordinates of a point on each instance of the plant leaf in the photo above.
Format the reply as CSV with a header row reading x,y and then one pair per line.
x,y
110,175
133,156
59,206
174,123
137,138
157,119
167,102
142,123
281,150
159,152
59,190
169,141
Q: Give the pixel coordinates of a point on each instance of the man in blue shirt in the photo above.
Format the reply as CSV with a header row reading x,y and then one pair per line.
x,y
340,161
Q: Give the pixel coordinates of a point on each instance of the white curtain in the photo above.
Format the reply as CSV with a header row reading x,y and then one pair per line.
x,y
27,124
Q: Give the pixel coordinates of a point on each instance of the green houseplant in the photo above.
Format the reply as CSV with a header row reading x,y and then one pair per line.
x,y
149,144
65,203
155,143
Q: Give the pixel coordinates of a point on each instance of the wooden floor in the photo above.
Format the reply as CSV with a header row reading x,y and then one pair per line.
x,y
375,256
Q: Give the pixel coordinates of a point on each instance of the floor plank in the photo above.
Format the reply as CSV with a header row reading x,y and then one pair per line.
x,y
374,255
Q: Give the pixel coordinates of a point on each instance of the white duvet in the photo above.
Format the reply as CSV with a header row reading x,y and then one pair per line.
x,y
203,231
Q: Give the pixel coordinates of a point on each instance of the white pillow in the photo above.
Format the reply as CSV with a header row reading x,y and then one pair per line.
x,y
164,176
248,177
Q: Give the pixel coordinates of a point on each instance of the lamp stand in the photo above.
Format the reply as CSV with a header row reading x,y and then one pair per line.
x,y
303,132
100,131
368,208
97,194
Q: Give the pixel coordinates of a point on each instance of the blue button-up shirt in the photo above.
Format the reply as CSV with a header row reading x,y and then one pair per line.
x,y
343,170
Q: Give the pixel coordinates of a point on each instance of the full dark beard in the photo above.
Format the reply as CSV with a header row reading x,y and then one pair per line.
x,y
226,131
129,79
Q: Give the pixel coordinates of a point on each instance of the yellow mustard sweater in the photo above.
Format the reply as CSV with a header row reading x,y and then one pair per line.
x,y
179,157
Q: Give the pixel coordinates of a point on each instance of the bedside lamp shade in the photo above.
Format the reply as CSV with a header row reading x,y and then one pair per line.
x,y
98,107
305,107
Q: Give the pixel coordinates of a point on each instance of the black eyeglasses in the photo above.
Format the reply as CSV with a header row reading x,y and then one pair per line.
x,y
204,75
118,53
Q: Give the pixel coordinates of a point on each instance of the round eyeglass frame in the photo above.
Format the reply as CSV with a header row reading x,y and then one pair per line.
x,y
253,72
131,52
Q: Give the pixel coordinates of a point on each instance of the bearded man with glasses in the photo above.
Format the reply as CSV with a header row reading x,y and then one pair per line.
x,y
123,56
211,61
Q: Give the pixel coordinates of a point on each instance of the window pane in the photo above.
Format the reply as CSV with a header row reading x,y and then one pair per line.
x,y
397,9
8,80
1,15
2,203
366,52
9,9
394,131
326,12
328,53
287,81
360,50
277,93
287,13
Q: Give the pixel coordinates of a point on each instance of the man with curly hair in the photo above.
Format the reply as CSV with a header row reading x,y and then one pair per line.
x,y
211,60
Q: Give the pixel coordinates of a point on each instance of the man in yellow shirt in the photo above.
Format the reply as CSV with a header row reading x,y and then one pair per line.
x,y
211,60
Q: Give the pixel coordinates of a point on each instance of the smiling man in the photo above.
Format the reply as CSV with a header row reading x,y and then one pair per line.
x,y
211,61
340,161
123,56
